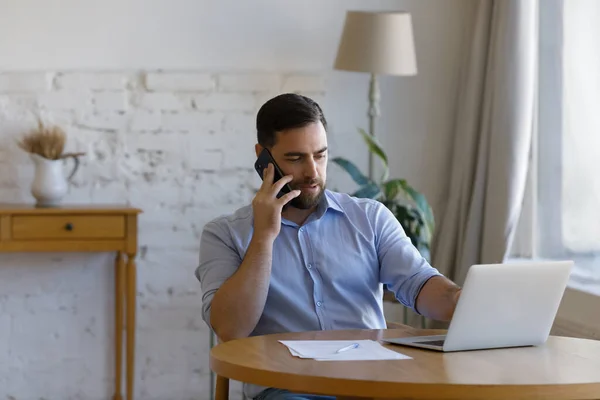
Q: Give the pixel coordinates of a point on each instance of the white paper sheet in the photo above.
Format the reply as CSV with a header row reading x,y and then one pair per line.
x,y
325,350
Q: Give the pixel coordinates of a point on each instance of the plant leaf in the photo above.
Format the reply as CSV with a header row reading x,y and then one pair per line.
x,y
421,203
369,191
351,169
407,220
392,187
375,147
422,214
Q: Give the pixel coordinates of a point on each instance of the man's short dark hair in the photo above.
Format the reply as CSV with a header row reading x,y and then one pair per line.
x,y
286,111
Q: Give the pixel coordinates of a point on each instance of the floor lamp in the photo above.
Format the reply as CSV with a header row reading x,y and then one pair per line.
x,y
380,43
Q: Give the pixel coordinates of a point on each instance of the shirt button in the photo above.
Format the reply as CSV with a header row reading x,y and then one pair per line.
x,y
319,304
309,266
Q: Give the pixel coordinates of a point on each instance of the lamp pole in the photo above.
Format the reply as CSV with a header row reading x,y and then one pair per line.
x,y
374,112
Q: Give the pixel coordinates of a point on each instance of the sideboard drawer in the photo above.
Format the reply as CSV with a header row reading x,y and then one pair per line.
x,y
68,226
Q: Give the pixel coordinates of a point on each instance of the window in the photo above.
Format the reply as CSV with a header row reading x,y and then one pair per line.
x,y
562,209
563,206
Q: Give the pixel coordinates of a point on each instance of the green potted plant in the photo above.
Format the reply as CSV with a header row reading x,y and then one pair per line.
x,y
408,205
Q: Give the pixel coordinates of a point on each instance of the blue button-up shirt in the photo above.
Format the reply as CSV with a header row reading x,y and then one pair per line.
x,y
326,274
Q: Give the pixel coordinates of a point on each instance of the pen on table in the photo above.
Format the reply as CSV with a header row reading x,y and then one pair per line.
x,y
352,346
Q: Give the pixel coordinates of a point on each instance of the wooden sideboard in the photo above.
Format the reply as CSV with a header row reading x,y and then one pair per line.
x,y
85,228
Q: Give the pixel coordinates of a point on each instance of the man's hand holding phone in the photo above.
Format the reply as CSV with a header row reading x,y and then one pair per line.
x,y
267,207
239,303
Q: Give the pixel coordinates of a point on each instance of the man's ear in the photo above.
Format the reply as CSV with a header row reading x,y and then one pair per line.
x,y
258,148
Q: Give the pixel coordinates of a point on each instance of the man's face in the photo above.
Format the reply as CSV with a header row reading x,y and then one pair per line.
x,y
302,152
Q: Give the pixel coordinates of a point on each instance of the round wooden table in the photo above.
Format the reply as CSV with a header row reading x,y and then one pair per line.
x,y
563,368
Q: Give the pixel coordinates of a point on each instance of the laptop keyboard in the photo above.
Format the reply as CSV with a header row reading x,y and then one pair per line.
x,y
433,342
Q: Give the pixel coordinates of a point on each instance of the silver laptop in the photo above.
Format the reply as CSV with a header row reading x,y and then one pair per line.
x,y
502,305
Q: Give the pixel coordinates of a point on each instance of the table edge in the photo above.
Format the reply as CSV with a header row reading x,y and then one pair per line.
x,y
365,388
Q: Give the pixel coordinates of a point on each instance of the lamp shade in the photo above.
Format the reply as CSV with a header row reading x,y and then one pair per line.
x,y
377,42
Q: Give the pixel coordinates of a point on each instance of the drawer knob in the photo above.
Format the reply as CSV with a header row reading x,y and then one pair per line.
x,y
69,226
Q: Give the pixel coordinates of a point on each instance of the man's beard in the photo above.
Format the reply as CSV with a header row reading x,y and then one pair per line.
x,y
304,201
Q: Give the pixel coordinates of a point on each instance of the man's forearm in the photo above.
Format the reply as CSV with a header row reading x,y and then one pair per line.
x,y
437,299
239,302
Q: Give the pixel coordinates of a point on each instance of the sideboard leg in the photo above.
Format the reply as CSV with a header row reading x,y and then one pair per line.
x,y
119,293
131,290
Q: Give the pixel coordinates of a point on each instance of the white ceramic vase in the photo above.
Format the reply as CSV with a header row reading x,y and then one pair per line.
x,y
50,184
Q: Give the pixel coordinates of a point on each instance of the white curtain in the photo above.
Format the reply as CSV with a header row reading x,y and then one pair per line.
x,y
580,187
492,138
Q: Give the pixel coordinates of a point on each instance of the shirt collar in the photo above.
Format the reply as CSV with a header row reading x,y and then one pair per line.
x,y
328,202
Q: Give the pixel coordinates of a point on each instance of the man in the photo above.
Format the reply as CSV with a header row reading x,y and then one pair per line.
x,y
312,259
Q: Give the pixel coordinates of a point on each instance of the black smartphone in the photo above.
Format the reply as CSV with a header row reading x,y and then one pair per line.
x,y
263,160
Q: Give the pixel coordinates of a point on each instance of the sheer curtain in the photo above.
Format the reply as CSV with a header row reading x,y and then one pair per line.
x,y
569,139
581,125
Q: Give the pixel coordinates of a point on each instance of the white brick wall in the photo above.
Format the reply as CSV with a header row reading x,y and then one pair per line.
x,y
179,81
110,101
249,82
179,145
303,83
92,81
16,82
